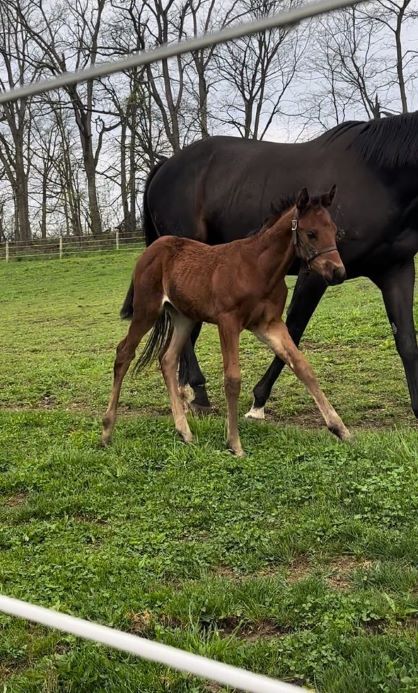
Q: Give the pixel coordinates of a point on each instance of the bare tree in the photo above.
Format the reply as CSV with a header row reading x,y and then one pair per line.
x,y
257,71
358,65
69,37
202,77
394,16
15,117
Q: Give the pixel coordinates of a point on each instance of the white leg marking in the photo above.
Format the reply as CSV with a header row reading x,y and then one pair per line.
x,y
256,413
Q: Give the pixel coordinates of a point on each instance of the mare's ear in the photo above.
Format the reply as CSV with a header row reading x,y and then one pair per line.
x,y
327,198
302,200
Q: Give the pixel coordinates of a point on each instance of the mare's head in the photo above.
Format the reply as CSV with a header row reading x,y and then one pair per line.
x,y
314,235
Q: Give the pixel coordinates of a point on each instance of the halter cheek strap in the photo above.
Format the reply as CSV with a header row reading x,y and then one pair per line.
x,y
298,246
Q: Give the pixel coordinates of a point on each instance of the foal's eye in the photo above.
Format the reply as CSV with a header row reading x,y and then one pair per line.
x,y
311,235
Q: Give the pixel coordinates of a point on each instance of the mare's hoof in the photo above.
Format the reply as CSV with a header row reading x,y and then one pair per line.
x,y
256,413
200,409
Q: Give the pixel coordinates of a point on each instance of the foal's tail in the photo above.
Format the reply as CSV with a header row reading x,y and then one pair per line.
x,y
150,231
158,341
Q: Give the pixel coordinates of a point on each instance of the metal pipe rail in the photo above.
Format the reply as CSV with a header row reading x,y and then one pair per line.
x,y
283,19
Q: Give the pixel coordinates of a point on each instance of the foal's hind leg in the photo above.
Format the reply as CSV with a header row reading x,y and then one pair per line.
x,y
182,328
125,352
277,337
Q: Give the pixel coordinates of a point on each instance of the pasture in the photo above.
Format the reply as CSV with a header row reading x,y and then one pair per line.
x,y
298,561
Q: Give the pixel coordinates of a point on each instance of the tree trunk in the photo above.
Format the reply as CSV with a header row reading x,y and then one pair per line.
x,y
131,228
22,199
90,169
123,181
44,202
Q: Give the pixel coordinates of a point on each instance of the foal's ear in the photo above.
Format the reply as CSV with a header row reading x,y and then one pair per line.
x,y
327,198
302,200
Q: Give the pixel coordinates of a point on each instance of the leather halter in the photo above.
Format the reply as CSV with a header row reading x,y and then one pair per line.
x,y
310,255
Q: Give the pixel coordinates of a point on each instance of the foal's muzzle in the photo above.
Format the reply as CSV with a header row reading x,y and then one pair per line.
x,y
333,272
338,275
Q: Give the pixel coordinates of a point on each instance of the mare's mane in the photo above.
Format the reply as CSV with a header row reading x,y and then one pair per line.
x,y
390,142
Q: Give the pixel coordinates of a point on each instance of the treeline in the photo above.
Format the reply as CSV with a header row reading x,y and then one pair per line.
x,y
73,162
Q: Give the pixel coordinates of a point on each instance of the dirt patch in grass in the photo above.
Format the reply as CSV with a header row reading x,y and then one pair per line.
x,y
226,571
307,420
141,623
17,500
251,630
340,570
299,569
86,519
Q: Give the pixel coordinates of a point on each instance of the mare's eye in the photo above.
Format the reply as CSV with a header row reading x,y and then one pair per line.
x,y
311,235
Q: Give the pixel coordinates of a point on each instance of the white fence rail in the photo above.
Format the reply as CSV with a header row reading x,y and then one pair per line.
x,y
147,649
66,246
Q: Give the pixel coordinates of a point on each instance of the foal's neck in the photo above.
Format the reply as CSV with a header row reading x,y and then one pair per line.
x,y
274,244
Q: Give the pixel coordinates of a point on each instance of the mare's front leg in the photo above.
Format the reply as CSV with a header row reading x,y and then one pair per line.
x,y
309,289
397,287
182,328
229,332
277,336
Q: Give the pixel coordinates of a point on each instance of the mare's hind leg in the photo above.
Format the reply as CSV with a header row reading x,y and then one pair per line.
x,y
182,328
191,374
125,352
277,336
229,335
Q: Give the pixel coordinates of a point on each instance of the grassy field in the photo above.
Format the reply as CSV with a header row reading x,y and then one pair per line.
x,y
299,561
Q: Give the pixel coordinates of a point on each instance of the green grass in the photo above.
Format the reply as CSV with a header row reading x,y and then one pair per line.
x,y
299,561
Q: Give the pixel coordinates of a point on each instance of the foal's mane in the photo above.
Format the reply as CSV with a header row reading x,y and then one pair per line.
x,y
278,209
390,142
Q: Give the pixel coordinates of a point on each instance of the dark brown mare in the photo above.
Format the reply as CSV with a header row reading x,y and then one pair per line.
x,y
218,190
179,282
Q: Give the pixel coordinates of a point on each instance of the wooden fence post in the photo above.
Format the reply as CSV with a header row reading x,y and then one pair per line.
x,y
60,247
7,251
117,239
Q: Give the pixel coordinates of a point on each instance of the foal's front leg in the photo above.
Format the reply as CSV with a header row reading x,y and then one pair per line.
x,y
277,336
229,336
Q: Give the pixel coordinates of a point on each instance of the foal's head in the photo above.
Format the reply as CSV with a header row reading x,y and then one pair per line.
x,y
314,235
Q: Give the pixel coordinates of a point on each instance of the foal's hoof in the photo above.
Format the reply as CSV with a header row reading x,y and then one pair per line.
x,y
105,440
237,451
186,437
256,413
340,431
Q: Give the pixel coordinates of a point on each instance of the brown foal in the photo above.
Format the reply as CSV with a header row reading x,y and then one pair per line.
x,y
178,282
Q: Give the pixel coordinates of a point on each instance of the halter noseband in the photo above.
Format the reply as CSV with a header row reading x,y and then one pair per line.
x,y
311,254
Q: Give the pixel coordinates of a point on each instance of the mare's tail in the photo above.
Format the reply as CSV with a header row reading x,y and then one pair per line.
x,y
127,310
158,341
151,233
